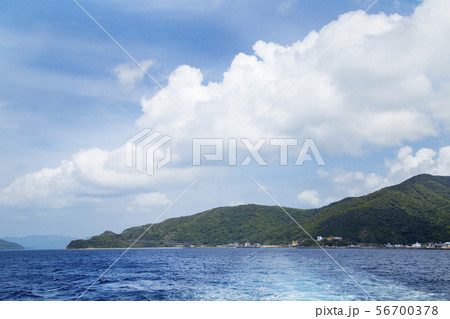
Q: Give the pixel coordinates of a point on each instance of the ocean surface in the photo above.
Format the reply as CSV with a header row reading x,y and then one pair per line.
x,y
225,274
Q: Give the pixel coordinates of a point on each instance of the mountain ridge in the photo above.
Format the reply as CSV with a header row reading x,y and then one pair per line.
x,y
414,210
42,241
7,245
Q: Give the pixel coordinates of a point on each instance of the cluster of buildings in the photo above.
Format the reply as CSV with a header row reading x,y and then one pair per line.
x,y
418,245
320,238
295,243
247,244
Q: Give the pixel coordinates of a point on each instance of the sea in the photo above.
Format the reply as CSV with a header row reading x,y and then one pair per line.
x,y
225,274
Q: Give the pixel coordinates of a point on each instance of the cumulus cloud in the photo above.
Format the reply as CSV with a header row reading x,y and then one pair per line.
x,y
309,197
375,87
150,199
406,164
128,74
425,160
88,177
354,183
384,83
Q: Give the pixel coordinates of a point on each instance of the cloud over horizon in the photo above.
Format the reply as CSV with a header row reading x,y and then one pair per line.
x,y
384,84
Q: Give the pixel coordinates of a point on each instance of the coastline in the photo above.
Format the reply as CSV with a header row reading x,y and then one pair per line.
x,y
271,247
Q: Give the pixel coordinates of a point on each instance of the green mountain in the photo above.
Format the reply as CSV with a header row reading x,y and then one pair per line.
x,y
7,245
415,210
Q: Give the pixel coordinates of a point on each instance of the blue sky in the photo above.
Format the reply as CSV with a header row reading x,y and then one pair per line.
x,y
376,104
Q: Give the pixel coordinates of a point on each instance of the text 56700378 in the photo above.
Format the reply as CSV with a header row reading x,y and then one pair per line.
x,y
407,310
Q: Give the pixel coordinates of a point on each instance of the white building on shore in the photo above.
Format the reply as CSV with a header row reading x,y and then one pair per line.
x,y
416,245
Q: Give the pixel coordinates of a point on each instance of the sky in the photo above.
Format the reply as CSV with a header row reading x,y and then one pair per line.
x,y
371,90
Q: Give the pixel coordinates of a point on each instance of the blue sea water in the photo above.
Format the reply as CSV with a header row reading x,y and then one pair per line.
x,y
225,274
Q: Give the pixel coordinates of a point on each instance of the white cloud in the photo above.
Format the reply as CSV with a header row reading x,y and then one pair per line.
x,y
322,173
150,199
357,183
406,164
128,74
425,160
384,83
309,197
375,87
87,178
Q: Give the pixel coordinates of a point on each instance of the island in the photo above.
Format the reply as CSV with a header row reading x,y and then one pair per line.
x,y
7,245
414,211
